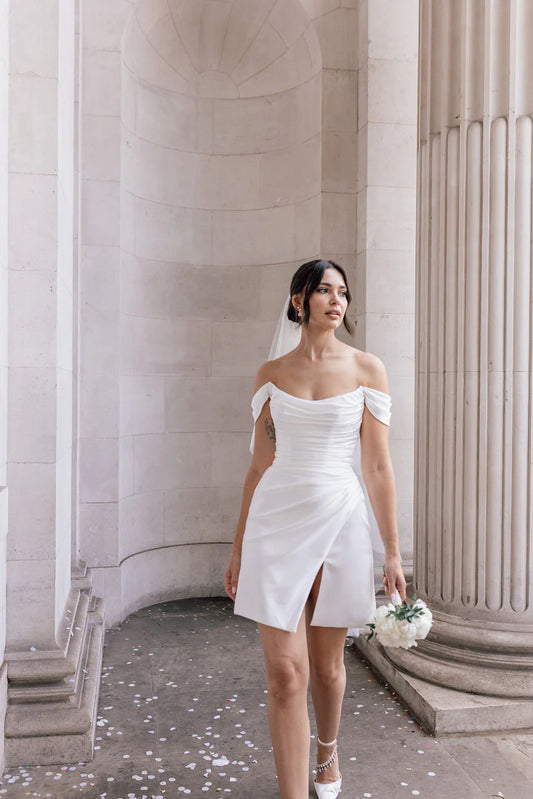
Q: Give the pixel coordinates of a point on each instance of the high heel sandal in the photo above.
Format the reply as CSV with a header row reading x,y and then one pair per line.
x,y
327,790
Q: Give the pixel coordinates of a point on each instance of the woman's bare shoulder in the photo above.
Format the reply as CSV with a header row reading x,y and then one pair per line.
x,y
266,373
372,370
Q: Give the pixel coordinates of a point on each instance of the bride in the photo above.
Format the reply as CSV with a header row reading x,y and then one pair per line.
x,y
301,564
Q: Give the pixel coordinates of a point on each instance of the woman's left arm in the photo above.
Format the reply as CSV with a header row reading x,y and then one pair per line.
x,y
378,474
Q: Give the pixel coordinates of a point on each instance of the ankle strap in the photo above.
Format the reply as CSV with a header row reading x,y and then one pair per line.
x,y
329,743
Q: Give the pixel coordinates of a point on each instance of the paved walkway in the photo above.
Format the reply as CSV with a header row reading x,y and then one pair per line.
x,y
182,713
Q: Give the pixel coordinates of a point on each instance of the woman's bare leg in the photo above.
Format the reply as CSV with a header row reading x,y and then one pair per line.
x,y
328,682
287,671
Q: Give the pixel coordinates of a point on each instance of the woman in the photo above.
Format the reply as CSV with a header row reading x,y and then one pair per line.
x,y
301,562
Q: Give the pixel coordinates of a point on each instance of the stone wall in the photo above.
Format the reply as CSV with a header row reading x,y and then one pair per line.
x,y
223,153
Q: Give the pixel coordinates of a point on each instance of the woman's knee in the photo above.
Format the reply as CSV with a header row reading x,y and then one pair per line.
x,y
287,679
328,672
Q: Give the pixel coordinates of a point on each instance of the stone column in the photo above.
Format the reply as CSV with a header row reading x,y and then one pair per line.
x,y
54,625
474,449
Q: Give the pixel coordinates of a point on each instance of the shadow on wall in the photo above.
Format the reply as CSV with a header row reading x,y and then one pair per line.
x,y
220,200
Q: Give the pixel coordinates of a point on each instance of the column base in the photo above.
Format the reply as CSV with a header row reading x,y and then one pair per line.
x,y
445,711
53,696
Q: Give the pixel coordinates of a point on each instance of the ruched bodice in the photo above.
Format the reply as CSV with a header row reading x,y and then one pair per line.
x,y
309,510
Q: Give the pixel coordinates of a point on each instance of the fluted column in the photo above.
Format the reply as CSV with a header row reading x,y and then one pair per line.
x,y
474,476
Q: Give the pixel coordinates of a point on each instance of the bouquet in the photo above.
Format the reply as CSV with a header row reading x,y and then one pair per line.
x,y
401,623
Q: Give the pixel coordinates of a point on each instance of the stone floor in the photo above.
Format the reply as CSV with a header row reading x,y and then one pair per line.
x,y
182,712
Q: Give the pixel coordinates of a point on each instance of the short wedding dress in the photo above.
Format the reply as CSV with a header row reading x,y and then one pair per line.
x,y
309,510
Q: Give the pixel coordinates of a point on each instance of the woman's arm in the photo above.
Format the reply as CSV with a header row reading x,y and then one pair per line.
x,y
378,474
264,451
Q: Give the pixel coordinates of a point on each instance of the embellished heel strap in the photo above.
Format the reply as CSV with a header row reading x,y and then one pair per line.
x,y
329,743
331,759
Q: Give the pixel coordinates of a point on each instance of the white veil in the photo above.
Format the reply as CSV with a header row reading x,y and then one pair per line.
x,y
286,337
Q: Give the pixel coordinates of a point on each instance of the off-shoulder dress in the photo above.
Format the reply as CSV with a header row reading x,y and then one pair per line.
x,y
309,510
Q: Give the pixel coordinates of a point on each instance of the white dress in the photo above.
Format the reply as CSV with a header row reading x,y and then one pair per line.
x,y
309,510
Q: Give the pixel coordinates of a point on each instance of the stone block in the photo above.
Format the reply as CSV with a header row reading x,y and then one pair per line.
x,y
340,100
157,173
338,222
206,404
390,218
390,281
32,420
391,155
267,48
33,134
143,59
100,68
126,466
32,493
32,197
275,280
99,341
291,175
33,39
230,458
309,109
398,39
172,346
207,514
166,118
256,124
99,278
144,287
289,70
104,22
100,153
204,292
98,465
339,162
337,34
32,318
127,345
30,585
99,533
391,336
228,182
100,214
392,91
308,228
289,20
245,23
99,405
239,348
171,460
128,106
142,404
169,233
142,522
253,237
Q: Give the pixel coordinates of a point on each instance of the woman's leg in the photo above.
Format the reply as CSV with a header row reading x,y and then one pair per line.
x,y
287,672
328,682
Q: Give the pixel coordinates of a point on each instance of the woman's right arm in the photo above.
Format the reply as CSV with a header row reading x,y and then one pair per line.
x,y
264,451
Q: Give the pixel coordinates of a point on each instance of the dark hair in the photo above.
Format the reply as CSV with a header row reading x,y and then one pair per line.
x,y
306,280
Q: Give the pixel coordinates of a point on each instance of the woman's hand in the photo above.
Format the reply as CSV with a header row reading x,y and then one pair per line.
x,y
231,576
393,579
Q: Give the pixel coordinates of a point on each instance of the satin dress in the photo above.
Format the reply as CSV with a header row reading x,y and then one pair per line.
x,y
309,510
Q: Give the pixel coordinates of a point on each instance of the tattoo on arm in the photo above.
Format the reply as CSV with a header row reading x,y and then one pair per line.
x,y
270,429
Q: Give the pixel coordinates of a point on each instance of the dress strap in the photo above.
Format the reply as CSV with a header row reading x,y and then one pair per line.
x,y
378,403
258,400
